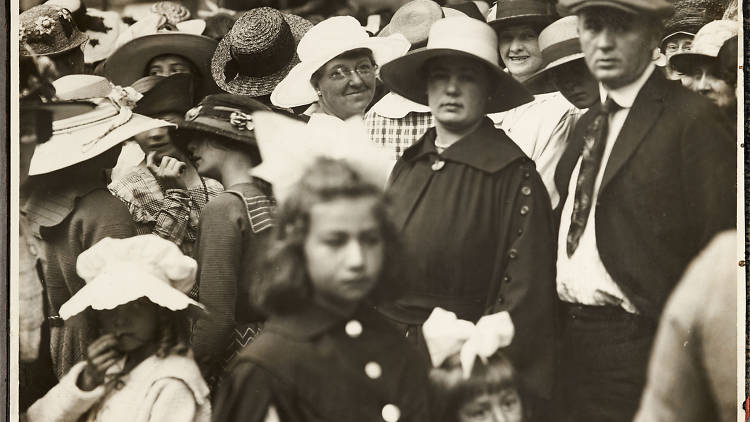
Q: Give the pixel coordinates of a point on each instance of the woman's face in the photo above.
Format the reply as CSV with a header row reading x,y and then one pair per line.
x,y
519,49
168,65
159,139
503,406
134,324
457,90
703,79
344,250
346,86
207,157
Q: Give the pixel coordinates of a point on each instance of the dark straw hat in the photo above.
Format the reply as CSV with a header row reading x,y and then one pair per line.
x,y
258,52
48,30
537,13
690,15
164,94
657,8
225,115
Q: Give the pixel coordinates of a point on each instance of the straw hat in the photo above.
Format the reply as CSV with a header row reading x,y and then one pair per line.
x,y
326,40
657,8
706,45
119,271
537,13
128,63
47,29
455,36
559,44
413,20
258,52
226,115
690,16
174,12
164,94
81,137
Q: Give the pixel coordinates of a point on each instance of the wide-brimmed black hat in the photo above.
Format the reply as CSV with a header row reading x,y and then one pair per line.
x,y
537,13
225,115
258,52
47,30
164,94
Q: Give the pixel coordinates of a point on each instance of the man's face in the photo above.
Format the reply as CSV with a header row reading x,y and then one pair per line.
x,y
617,45
576,84
457,89
519,49
703,79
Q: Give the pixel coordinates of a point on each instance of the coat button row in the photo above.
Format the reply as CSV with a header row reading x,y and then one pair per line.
x,y
524,210
373,370
513,254
526,191
437,165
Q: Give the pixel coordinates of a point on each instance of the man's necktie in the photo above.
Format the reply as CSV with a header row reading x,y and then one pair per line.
x,y
591,160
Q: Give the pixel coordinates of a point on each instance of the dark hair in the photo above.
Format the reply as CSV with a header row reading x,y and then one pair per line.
x,y
285,284
450,390
181,136
351,54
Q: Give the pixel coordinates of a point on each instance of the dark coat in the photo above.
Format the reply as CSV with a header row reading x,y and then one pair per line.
x,y
668,188
479,234
310,367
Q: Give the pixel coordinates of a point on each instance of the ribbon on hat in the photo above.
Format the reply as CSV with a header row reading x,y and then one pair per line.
x,y
289,147
447,335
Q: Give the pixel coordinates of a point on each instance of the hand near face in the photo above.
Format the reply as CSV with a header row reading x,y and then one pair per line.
x,y
102,354
170,172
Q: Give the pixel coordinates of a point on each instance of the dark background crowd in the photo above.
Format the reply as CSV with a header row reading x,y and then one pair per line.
x,y
378,210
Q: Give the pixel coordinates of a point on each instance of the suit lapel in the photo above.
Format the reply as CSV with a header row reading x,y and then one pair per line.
x,y
645,111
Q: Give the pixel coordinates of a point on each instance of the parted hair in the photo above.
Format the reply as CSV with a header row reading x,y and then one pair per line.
x,y
285,284
450,390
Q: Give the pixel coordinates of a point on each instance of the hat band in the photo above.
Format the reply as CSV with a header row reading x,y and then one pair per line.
x,y
224,117
521,8
559,50
262,63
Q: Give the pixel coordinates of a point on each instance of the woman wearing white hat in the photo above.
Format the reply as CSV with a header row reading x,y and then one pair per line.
x,y
337,69
68,204
473,211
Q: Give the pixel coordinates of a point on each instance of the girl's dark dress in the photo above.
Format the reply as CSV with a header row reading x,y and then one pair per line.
x,y
315,365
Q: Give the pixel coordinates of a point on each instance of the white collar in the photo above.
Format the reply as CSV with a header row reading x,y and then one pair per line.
x,y
624,96
394,106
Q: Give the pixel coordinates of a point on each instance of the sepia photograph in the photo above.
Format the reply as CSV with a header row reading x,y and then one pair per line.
x,y
376,211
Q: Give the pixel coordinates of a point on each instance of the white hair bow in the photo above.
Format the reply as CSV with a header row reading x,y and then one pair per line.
x,y
447,335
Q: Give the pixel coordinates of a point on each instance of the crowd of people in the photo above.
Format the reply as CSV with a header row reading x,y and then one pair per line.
x,y
382,210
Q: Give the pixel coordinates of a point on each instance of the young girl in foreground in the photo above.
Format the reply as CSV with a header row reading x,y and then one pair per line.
x,y
472,381
325,354
140,369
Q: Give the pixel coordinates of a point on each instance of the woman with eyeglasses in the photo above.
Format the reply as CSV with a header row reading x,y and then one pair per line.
x,y
337,71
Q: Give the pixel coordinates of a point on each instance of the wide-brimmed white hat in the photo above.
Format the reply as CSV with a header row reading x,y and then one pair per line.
x,y
79,138
455,36
323,42
706,44
118,271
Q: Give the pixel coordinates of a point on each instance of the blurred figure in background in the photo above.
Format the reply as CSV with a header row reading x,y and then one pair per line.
x,y
680,28
701,68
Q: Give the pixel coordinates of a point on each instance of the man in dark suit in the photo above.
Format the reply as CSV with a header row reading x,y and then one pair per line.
x,y
647,179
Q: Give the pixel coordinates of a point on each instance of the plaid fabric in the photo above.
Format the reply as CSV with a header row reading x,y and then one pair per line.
x,y
173,215
397,134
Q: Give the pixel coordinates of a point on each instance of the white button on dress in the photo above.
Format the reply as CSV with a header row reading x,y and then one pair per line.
x,y
390,413
353,328
373,370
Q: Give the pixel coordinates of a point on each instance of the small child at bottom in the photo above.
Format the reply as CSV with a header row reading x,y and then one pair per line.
x,y
140,368
471,379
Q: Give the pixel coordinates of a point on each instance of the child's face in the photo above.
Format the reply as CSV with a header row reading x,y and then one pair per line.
x,y
503,406
344,249
134,324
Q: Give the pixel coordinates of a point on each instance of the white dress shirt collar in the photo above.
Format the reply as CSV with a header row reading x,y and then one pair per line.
x,y
624,96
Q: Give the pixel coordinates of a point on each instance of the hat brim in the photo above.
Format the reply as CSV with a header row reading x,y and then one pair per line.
x,y
404,77
538,21
110,291
543,73
296,90
76,42
72,147
255,86
685,62
128,63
